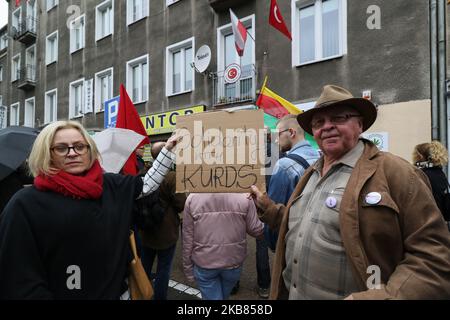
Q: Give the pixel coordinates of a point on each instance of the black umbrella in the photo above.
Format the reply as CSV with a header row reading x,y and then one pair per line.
x,y
15,147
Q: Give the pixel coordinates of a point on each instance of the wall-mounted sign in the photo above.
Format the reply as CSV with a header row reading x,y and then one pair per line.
x,y
111,110
232,73
88,95
165,122
380,139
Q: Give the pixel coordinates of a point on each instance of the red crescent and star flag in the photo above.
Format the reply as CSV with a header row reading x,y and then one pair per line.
x,y
276,19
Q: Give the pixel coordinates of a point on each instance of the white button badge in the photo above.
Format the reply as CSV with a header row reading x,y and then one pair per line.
x,y
331,202
373,198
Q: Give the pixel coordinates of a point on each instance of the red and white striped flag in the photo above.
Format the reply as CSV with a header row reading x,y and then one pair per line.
x,y
239,32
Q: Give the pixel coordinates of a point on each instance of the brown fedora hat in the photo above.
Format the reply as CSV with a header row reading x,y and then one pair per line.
x,y
334,96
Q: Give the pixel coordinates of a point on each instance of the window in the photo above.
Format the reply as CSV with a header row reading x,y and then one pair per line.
x,y
15,68
244,89
77,34
29,113
103,88
17,19
104,21
180,74
318,30
51,98
3,41
136,10
31,15
14,114
30,63
137,79
51,52
76,98
1,74
51,4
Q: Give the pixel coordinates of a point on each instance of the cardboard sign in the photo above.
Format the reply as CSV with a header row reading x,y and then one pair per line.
x,y
221,152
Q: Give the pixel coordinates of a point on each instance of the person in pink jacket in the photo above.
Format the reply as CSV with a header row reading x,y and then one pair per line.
x,y
215,227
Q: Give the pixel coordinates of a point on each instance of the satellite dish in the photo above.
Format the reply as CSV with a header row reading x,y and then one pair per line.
x,y
202,58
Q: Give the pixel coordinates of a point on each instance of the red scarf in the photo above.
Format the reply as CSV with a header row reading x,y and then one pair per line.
x,y
88,186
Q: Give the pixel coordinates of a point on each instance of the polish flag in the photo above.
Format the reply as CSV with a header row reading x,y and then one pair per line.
x,y
276,19
239,32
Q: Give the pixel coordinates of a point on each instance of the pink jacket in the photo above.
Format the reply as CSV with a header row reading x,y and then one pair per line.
x,y
215,227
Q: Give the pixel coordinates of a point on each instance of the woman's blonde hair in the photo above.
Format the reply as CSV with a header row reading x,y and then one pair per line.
x,y
432,152
40,160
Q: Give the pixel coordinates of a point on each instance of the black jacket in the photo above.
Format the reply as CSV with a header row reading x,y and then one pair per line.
x,y
439,185
45,235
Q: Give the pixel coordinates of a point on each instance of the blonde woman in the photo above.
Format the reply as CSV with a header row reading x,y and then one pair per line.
x,y
66,237
431,157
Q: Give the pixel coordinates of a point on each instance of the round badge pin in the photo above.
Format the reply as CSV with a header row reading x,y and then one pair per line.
x,y
331,202
373,198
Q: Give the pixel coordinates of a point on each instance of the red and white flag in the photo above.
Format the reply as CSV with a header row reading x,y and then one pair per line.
x,y
239,32
276,19
17,3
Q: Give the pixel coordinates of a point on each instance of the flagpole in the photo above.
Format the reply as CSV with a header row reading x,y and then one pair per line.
x,y
254,41
264,84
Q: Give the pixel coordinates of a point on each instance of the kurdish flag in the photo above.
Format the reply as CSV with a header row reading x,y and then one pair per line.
x,y
276,107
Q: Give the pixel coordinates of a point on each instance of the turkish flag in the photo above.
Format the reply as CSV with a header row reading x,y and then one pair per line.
x,y
17,3
128,118
276,19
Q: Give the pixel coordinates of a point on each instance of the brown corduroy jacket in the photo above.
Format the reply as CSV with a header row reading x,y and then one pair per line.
x,y
404,234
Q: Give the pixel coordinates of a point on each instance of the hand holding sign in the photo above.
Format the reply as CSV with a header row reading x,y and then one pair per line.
x,y
174,140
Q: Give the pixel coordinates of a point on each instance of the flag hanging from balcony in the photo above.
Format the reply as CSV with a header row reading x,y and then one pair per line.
x,y
17,3
276,19
128,118
273,104
239,32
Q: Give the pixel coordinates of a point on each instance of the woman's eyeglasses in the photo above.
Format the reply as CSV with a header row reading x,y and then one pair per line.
x,y
63,150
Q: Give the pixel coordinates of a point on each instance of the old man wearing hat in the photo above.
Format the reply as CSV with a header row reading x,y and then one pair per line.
x,y
361,223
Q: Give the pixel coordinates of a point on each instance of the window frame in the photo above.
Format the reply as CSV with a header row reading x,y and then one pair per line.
x,y
318,56
55,3
55,107
53,35
13,15
72,48
145,14
97,77
170,50
129,77
1,74
98,9
33,115
17,75
170,2
17,114
72,86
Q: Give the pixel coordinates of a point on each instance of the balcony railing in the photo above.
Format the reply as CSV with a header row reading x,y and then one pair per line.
x,y
240,91
25,32
27,77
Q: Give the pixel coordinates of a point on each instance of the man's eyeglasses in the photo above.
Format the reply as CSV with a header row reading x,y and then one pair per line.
x,y
280,132
63,150
341,119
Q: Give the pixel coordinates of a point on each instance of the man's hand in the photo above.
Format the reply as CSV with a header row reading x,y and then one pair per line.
x,y
173,140
261,199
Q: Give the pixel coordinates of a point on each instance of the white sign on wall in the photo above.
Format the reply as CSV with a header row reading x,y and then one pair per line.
x,y
3,116
380,139
88,95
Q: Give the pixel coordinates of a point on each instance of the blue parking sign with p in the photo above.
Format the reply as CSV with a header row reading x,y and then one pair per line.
x,y
111,110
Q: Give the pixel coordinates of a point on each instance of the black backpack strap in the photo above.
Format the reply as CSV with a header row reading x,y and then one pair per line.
x,y
299,159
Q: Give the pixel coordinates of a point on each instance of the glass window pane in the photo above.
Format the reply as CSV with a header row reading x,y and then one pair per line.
x,y
176,67
246,59
144,81
188,70
136,82
330,28
230,50
306,34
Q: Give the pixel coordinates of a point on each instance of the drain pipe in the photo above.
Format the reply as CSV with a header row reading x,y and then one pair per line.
x,y
433,71
442,72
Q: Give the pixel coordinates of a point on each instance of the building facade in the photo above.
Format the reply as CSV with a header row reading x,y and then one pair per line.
x,y
65,59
